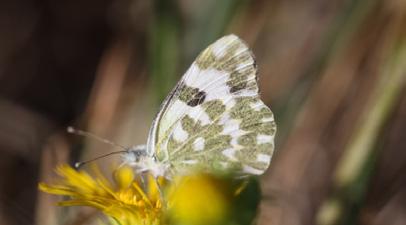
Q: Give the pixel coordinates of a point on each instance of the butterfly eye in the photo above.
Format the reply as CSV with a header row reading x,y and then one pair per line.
x,y
137,154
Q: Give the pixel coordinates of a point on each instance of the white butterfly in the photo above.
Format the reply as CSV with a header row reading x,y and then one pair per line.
x,y
212,120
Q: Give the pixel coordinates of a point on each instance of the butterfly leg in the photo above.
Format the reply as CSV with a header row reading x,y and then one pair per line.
x,y
142,179
160,190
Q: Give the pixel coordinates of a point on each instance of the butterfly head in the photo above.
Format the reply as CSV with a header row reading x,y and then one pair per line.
x,y
135,154
138,158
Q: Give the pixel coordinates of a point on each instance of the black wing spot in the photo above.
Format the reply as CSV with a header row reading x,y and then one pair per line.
x,y
197,99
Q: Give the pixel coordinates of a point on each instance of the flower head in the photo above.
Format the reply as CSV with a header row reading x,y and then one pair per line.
x,y
130,198
124,200
199,199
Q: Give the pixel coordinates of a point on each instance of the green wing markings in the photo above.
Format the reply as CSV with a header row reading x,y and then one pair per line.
x,y
228,99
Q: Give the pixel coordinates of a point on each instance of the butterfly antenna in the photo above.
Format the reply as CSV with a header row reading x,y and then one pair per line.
x,y
90,135
79,164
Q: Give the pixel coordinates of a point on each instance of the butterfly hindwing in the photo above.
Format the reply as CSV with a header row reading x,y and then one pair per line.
x,y
214,118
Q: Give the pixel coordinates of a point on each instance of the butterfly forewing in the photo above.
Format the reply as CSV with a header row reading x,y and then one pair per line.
x,y
214,118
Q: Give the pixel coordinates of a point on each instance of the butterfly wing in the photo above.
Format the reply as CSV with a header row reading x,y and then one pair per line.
x,y
214,118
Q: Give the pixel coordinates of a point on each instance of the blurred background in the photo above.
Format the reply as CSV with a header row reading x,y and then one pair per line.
x,y
333,72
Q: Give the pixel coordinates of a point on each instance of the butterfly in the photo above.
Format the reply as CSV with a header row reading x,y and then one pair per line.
x,y
213,119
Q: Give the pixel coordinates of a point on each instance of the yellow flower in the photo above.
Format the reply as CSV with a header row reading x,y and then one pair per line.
x,y
124,200
195,199
199,199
